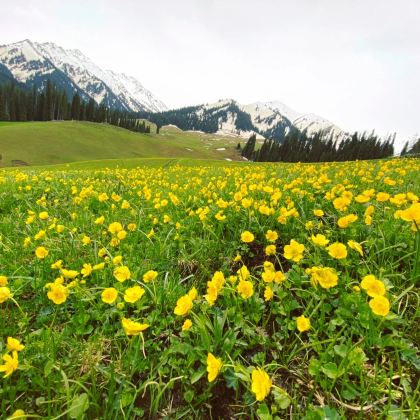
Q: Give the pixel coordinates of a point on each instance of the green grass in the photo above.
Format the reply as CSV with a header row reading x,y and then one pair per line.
x,y
184,218
46,143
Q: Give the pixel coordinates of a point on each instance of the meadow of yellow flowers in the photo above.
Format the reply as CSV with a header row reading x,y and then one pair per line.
x,y
236,291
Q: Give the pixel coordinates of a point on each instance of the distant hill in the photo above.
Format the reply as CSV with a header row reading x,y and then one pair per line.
x,y
272,120
56,142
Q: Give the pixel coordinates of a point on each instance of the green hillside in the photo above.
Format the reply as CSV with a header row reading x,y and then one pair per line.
x,y
46,143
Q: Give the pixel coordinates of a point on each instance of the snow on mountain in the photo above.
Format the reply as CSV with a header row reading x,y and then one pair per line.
x,y
24,61
135,92
27,61
88,75
311,123
266,119
272,120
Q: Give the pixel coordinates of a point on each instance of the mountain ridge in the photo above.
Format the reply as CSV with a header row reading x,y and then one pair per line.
x,y
229,117
31,63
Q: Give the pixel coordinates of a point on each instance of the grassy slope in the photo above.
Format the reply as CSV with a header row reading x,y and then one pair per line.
x,y
45,143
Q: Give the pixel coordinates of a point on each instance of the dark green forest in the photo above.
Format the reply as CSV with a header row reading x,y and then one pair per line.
x,y
298,147
51,103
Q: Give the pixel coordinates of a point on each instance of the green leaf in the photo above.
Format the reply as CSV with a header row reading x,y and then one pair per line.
x,y
340,349
79,405
189,396
281,398
196,376
48,367
231,379
314,367
331,370
263,412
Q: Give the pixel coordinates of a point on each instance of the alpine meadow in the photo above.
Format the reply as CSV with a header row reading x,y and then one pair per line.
x,y
194,247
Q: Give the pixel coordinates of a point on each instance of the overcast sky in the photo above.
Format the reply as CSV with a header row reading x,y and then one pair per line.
x,y
355,62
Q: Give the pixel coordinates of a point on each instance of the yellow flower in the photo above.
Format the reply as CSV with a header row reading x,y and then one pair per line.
x,y
326,277
193,293
309,225
117,260
57,265
243,273
183,305
337,250
5,294
355,246
261,384
268,276
14,344
341,203
247,237
268,266
41,252
213,367
43,215
294,251
3,281
86,240
186,325
131,227
245,289
270,250
367,281
303,324
150,276
345,221
69,274
411,214
132,327
268,293
212,293
237,258
10,364
122,273
279,277
103,197
380,305
109,295
99,266
133,294
100,220
122,234
318,212
382,196
271,235
58,293
18,414
320,240
115,227
373,286
40,235
218,279
86,270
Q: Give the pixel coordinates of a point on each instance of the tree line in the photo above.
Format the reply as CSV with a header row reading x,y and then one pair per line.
x,y
299,147
50,103
414,149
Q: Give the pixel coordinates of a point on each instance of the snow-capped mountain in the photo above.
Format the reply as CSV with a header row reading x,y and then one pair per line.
x,y
31,63
272,120
310,123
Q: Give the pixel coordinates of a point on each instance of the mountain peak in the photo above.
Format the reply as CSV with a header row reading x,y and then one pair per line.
x,y
31,61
